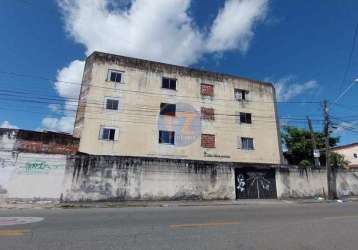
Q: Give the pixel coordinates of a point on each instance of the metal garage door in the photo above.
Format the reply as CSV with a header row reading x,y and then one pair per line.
x,y
252,183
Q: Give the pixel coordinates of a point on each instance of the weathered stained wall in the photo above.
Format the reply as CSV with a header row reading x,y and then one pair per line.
x,y
31,176
347,182
300,183
7,140
82,101
6,171
140,94
303,183
134,178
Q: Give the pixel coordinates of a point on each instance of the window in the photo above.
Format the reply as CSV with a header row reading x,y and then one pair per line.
x,y
241,94
108,134
208,141
355,155
207,114
247,143
166,137
112,104
207,89
114,76
169,83
245,118
167,109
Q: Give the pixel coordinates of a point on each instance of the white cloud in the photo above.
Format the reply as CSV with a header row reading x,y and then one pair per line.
x,y
344,127
152,29
287,88
68,78
62,124
7,124
159,30
55,108
68,87
233,27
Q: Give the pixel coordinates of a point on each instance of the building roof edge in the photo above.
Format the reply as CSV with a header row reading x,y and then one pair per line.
x,y
211,74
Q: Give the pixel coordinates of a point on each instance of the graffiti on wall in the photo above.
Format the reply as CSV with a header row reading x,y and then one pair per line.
x,y
256,180
241,184
38,167
255,184
259,181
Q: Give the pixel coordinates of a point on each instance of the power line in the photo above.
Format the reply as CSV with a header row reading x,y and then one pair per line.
x,y
150,117
155,115
30,97
94,104
136,91
140,112
345,91
349,63
148,109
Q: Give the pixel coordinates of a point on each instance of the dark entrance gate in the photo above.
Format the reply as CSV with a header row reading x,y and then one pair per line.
x,y
254,183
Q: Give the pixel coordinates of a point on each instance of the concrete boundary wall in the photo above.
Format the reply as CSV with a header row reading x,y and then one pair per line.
x,y
295,182
347,182
134,178
86,177
31,176
300,183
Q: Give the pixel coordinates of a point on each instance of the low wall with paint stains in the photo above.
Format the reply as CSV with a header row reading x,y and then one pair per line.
x,y
347,182
133,178
297,182
7,168
31,176
300,183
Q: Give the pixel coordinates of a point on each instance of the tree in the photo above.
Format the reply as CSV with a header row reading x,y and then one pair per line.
x,y
299,146
338,160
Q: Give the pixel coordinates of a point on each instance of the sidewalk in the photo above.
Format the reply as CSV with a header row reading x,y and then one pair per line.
x,y
185,203
53,204
23,204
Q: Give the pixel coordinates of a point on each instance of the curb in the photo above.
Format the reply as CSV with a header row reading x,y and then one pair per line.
x,y
83,205
80,205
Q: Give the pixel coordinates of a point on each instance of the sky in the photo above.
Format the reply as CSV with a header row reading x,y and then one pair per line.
x,y
305,48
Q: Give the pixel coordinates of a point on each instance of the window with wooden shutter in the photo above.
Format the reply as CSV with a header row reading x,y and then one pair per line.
x,y
207,89
207,114
208,141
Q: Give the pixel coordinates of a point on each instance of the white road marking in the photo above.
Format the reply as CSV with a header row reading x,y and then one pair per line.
x,y
10,221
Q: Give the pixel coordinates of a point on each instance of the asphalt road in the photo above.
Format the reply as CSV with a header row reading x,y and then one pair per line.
x,y
273,226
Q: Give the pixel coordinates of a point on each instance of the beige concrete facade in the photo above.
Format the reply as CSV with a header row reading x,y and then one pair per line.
x,y
350,153
140,94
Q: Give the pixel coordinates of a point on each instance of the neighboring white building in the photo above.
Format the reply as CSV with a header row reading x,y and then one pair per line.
x,y
350,153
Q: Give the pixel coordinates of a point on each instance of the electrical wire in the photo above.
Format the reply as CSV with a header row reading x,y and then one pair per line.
x,y
349,63
138,91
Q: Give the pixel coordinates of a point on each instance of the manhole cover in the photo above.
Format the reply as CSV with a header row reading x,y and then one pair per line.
x,y
10,221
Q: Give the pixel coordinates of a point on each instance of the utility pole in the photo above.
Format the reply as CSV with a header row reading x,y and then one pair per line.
x,y
316,153
331,182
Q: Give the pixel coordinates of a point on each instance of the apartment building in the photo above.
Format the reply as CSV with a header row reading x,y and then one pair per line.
x,y
141,108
